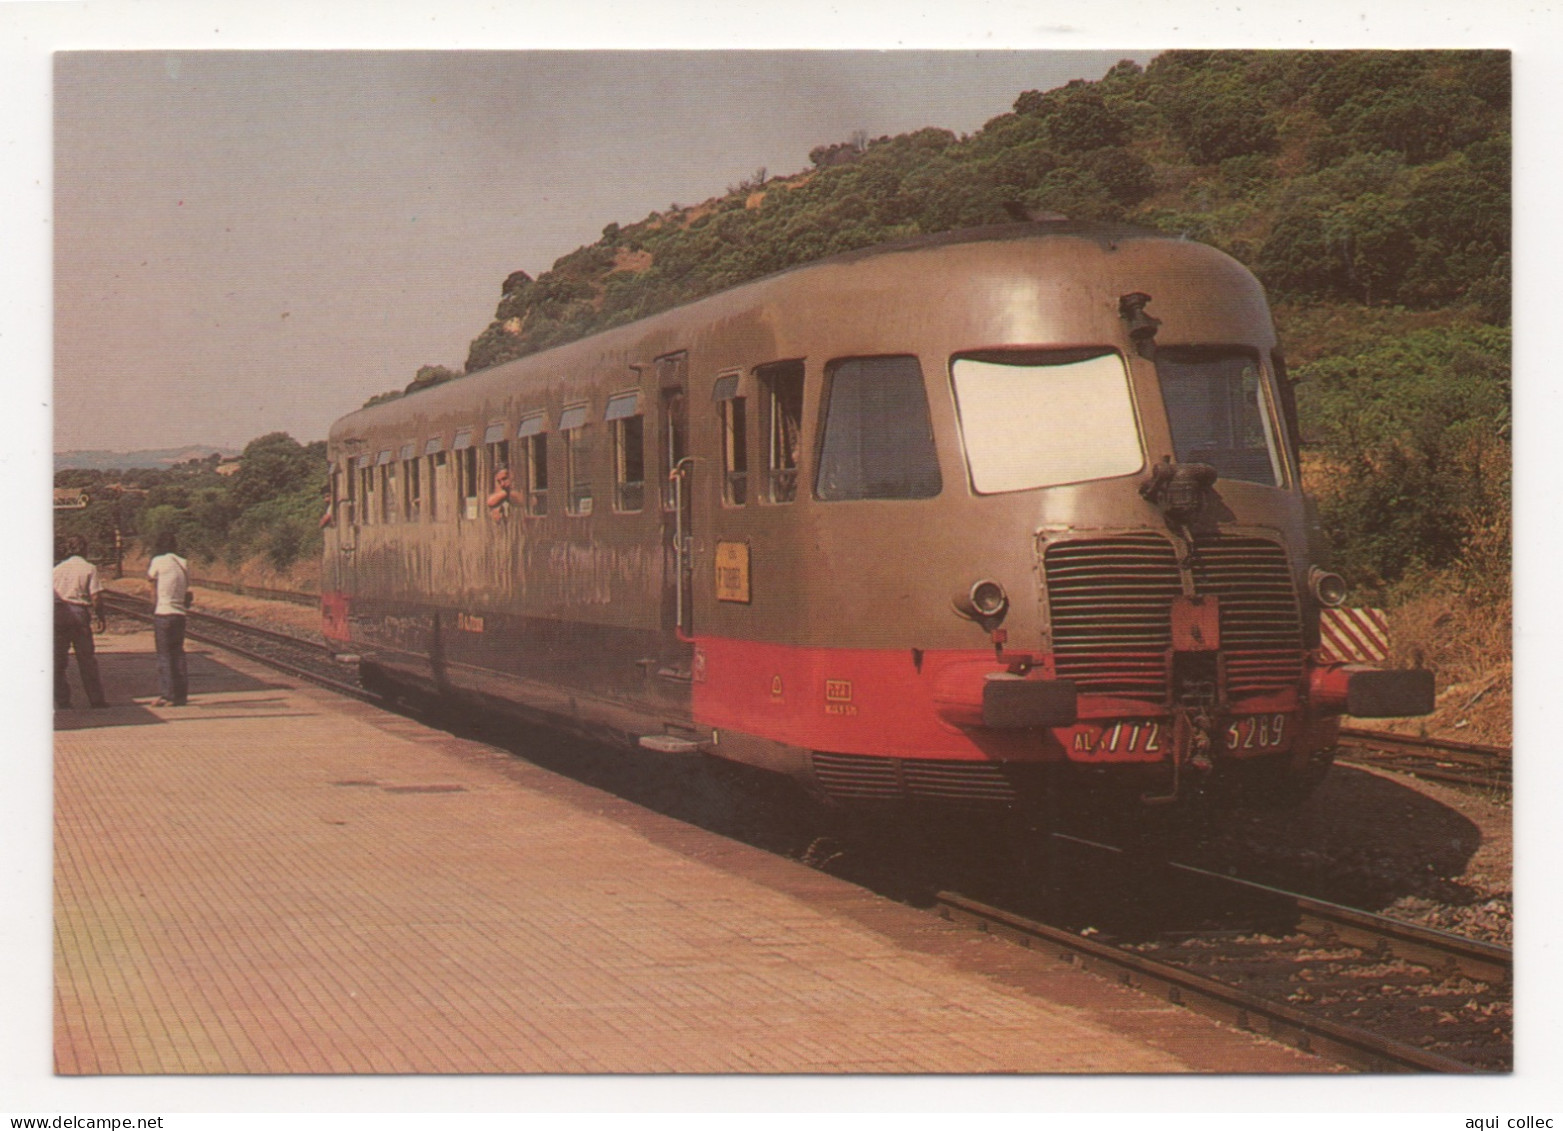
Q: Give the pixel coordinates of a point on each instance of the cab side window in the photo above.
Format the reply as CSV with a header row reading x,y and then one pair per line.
x,y
782,395
733,411
877,441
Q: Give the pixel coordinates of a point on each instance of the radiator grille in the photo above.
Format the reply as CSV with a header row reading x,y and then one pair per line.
x,y
859,777
1110,602
1261,625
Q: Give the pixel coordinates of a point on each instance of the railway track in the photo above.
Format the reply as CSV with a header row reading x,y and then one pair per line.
x,y
296,655
291,596
1365,990
1454,763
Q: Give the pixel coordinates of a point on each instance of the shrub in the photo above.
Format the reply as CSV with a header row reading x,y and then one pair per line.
x,y
1418,428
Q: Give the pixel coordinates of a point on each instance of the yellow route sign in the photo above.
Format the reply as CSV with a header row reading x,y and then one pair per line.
x,y
732,572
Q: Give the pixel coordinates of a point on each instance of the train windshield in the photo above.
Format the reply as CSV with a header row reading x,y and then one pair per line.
x,y
1218,408
1046,420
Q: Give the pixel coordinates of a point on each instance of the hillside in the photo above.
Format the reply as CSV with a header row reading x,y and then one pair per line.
x,y
1364,179
95,459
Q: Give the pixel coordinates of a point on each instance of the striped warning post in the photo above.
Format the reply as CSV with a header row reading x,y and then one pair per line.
x,y
1354,635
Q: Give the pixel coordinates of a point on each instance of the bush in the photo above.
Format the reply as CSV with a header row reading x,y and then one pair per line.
x,y
1418,430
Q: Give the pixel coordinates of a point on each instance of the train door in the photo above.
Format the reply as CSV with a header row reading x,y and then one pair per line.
x,y
677,498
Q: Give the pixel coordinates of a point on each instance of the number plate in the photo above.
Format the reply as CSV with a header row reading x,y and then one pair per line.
x,y
1150,740
1132,740
1258,732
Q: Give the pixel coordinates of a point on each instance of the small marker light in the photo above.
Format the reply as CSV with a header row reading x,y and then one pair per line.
x,y
1329,589
984,601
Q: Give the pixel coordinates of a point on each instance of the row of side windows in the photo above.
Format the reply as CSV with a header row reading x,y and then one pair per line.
x,y
875,442
462,482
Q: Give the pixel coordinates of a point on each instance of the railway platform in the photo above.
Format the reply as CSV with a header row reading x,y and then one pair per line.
x,y
274,879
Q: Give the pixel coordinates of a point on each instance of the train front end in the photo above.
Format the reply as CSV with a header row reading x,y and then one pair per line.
x,y
1167,629
1127,588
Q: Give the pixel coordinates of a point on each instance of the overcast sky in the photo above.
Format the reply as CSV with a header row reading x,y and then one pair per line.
x,y
258,241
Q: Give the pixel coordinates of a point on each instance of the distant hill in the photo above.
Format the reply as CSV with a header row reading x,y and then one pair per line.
x,y
1368,179
100,460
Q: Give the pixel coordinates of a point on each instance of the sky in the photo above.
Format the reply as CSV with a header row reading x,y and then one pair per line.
x,y
379,213
248,242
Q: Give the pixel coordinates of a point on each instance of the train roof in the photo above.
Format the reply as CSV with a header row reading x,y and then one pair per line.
x,y
1103,233
1107,235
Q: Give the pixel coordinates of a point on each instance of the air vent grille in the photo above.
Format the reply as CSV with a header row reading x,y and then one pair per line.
x,y
1110,602
860,777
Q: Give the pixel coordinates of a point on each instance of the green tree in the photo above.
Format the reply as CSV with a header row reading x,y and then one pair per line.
x,y
1418,428
275,465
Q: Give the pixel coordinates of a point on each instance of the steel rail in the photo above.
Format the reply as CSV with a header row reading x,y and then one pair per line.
x,y
1416,742
1481,961
260,591
1492,768
1320,1036
1380,935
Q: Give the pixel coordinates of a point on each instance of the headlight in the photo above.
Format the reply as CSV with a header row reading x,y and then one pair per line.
x,y
1329,589
984,601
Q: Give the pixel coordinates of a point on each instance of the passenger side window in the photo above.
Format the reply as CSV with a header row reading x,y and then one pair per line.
x,y
412,493
366,489
387,488
629,451
782,386
437,475
498,459
466,475
878,438
577,460
534,463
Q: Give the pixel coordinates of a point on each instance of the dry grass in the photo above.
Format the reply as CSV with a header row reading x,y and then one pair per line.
x,y
1467,642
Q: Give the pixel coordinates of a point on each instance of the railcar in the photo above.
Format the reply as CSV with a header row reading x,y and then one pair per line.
x,y
935,520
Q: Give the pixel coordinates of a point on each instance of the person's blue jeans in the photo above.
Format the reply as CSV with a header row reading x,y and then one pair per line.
x,y
73,630
173,676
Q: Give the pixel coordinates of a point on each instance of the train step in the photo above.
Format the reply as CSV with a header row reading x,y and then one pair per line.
x,y
669,744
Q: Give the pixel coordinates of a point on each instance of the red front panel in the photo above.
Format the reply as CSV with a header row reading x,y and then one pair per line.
x,y
888,703
846,701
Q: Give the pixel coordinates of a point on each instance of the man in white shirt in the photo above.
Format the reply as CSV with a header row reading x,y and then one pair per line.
x,y
170,578
78,605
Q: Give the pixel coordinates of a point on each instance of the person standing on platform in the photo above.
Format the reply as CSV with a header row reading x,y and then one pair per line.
x,y
78,609
170,578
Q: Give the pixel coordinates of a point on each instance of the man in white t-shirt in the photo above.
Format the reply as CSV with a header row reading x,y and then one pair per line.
x,y
78,608
170,578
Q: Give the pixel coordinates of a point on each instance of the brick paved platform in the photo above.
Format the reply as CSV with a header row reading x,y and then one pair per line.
x,y
275,880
